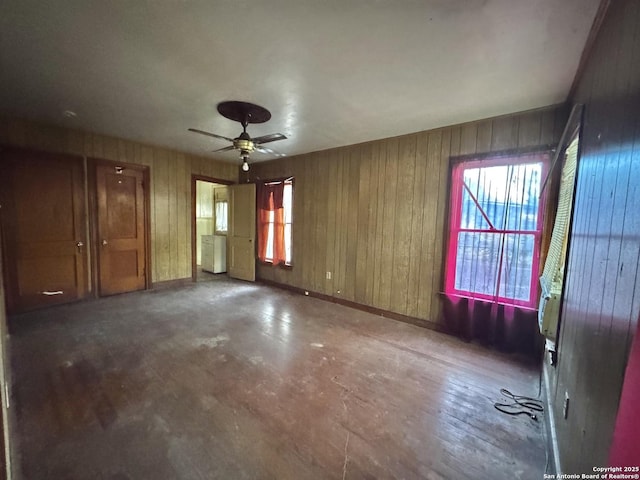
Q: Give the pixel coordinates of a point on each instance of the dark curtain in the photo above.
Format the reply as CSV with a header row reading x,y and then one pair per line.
x,y
506,327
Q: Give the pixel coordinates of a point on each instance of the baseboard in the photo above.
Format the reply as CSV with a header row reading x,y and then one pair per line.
x,y
553,466
359,306
178,282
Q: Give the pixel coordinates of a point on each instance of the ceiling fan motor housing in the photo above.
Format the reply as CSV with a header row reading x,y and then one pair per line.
x,y
243,143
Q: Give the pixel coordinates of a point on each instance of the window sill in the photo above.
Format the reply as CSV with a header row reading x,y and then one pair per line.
x,y
284,266
486,300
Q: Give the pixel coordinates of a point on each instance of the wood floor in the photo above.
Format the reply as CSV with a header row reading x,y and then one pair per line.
x,y
232,380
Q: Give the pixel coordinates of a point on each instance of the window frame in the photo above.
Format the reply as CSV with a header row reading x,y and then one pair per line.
x,y
285,181
458,167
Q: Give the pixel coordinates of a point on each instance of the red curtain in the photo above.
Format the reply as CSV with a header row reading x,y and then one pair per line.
x,y
278,239
270,199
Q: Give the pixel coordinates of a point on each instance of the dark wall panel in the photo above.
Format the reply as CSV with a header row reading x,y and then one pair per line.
x,y
602,298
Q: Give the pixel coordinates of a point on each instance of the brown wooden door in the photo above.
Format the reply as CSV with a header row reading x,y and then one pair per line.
x,y
121,229
43,225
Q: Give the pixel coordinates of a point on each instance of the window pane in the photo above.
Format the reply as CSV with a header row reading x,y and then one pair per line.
x,y
517,266
477,262
287,202
288,219
221,216
287,243
506,195
269,253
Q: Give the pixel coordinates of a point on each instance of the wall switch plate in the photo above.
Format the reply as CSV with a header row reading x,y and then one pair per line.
x,y
328,275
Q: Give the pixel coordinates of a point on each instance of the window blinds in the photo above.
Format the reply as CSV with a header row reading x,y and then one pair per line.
x,y
553,273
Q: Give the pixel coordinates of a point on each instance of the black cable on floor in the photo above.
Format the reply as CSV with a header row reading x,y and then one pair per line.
x,y
519,405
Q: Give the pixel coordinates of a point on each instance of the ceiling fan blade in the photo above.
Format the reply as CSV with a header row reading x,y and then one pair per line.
x,y
268,151
202,132
272,137
225,149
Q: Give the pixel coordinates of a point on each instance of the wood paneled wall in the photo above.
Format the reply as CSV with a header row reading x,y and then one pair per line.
x,y
602,297
170,183
6,420
374,214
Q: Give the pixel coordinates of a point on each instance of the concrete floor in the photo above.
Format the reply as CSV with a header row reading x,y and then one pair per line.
x,y
234,380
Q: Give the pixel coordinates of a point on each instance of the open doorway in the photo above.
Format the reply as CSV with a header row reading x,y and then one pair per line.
x,y
209,228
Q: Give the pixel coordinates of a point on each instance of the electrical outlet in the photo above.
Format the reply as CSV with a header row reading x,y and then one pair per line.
x,y
553,358
565,407
328,275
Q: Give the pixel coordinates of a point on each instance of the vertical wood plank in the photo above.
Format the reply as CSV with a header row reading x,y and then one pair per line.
x,y
418,207
485,132
529,129
440,248
364,195
183,213
505,133
161,178
388,230
307,255
173,215
110,148
455,134
340,213
381,196
468,138
352,223
298,224
332,167
547,127
371,234
429,235
320,240
402,252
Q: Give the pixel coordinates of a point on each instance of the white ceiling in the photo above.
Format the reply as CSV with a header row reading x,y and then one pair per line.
x,y
332,72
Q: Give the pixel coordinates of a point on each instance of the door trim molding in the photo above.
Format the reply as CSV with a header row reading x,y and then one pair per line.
x,y
92,164
203,178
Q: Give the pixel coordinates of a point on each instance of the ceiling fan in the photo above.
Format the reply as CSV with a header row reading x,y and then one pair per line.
x,y
245,113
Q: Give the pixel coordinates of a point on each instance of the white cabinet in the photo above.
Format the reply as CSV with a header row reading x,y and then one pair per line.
x,y
214,253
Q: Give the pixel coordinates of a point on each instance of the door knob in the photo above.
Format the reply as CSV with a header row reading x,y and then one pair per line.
x,y
104,242
79,244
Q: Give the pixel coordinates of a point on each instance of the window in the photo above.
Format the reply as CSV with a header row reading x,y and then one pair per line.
x,y
496,229
275,220
221,216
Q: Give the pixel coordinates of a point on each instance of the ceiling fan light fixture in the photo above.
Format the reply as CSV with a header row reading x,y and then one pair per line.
x,y
243,144
245,165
